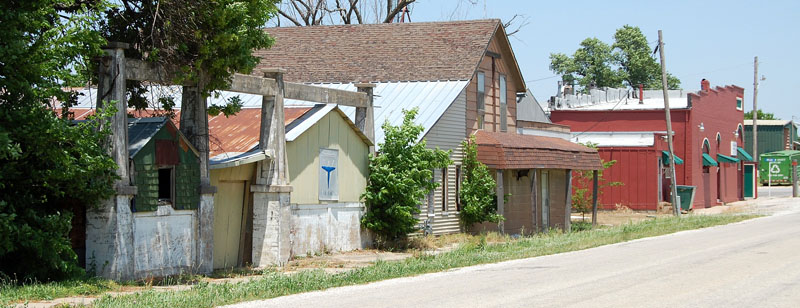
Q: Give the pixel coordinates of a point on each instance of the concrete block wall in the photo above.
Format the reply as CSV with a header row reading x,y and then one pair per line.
x,y
320,228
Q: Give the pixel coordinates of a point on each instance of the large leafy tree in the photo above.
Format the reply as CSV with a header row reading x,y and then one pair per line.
x,y
761,115
629,61
208,41
400,177
48,166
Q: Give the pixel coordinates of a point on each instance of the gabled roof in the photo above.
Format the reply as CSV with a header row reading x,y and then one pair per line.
x,y
141,130
423,51
513,151
529,109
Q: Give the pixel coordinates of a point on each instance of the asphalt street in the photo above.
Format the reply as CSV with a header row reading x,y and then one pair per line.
x,y
749,264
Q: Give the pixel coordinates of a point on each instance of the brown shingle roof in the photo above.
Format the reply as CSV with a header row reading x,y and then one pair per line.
x,y
513,151
379,52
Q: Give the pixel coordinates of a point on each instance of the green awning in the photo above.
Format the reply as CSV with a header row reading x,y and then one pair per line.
x,y
665,159
727,159
743,155
709,161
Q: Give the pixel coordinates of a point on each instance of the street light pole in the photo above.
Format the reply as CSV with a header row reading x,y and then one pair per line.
x,y
675,207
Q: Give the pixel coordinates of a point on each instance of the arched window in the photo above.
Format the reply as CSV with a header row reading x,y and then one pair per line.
x,y
740,134
706,146
719,141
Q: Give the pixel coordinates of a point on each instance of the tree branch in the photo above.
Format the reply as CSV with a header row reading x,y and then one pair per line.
x,y
400,5
290,18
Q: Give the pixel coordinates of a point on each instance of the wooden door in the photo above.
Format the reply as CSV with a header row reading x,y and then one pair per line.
x,y
228,210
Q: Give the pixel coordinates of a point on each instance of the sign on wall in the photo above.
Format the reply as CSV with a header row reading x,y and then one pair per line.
x,y
328,174
733,148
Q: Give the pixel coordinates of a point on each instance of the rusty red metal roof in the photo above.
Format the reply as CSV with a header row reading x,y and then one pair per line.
x,y
236,133
514,151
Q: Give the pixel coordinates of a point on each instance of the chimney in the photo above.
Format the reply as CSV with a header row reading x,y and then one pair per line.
x,y
641,94
705,85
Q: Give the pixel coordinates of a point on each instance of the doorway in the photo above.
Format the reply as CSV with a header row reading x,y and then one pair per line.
x,y
545,180
229,204
749,181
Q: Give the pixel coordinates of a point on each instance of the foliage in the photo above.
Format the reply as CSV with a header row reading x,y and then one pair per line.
x,y
400,176
478,198
582,194
208,41
747,116
475,250
48,167
627,62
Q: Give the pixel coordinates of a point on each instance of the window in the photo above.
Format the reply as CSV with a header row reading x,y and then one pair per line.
x,y
739,103
481,82
444,189
458,187
165,185
719,141
503,105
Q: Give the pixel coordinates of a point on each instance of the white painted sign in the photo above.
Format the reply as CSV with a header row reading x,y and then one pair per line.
x,y
328,174
774,168
733,148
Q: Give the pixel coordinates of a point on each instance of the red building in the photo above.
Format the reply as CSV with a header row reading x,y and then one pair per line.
x,y
707,141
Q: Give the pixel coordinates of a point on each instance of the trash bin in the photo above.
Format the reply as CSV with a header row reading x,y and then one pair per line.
x,y
687,196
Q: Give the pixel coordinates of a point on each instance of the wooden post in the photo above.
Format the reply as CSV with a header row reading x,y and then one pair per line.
x,y
594,197
675,206
534,201
568,206
365,118
500,200
194,124
271,207
109,228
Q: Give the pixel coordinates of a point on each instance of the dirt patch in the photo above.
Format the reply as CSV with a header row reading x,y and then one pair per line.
x,y
622,215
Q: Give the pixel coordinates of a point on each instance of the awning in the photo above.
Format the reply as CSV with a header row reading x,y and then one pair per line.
x,y
727,159
743,155
665,159
504,151
709,161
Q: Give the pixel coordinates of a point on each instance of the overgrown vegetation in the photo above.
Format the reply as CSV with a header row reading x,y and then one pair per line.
x,y
477,250
582,194
400,177
478,198
628,62
48,166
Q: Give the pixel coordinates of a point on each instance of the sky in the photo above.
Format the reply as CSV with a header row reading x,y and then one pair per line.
x,y
716,40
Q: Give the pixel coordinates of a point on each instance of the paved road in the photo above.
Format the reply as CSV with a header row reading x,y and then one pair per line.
x,y
750,264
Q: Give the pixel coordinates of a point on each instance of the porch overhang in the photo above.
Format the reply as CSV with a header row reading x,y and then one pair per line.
x,y
709,161
727,159
665,159
513,151
743,154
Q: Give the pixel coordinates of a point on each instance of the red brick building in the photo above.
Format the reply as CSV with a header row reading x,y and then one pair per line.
x,y
708,140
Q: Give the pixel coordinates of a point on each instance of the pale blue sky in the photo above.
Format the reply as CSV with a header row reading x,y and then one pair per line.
x,y
716,40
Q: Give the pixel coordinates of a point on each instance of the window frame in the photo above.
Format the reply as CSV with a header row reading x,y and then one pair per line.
x,y
458,188
480,83
739,103
503,104
444,189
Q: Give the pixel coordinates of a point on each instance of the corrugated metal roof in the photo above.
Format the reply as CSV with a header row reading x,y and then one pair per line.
x,y
391,98
768,122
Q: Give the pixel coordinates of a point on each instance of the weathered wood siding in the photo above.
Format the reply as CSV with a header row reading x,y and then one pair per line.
x,y
330,132
502,66
232,206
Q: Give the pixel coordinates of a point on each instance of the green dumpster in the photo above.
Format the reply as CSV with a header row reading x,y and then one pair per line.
x,y
687,196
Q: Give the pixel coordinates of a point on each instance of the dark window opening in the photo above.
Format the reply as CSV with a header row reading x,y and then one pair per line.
x,y
165,186
458,188
444,189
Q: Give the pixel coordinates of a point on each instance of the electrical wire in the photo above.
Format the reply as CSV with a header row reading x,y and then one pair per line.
x,y
605,115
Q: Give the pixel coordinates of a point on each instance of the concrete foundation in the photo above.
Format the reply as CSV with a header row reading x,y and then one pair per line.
x,y
271,218
319,228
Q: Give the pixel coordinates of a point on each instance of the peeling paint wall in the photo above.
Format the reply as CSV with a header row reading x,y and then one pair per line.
x,y
318,228
164,242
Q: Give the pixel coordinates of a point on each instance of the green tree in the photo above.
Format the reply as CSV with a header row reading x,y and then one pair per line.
x,y
582,194
478,198
400,177
629,61
761,115
208,41
48,166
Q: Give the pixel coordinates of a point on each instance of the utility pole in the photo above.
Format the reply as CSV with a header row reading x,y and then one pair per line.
x,y
755,110
675,207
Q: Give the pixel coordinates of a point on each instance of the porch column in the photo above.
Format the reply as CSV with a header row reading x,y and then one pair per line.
x,y
365,119
500,201
194,124
271,192
109,228
534,201
594,197
568,205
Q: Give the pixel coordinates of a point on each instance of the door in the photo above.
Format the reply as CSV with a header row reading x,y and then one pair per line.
x,y
719,183
228,208
545,180
749,180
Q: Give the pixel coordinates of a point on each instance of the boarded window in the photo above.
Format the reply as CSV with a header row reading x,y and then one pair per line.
x,y
328,174
444,189
481,82
503,105
166,153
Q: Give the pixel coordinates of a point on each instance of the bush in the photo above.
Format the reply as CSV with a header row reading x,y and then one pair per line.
x,y
399,178
478,197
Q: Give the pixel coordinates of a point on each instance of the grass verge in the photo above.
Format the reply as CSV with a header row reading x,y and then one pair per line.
x,y
477,250
11,292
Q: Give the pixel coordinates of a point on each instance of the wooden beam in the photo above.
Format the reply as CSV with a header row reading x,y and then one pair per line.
x,y
158,73
594,197
253,85
317,94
